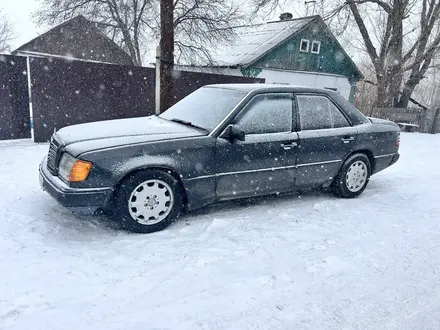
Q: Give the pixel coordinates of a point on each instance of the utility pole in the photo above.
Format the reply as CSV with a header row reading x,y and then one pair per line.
x,y
166,54
310,5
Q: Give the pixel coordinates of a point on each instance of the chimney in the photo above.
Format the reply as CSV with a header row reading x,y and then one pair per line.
x,y
285,16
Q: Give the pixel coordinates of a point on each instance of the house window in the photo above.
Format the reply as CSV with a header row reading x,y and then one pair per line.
x,y
304,47
316,47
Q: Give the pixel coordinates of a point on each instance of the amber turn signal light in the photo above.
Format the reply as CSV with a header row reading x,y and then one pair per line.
x,y
80,171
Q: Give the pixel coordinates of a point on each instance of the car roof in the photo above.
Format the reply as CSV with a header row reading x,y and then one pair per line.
x,y
268,87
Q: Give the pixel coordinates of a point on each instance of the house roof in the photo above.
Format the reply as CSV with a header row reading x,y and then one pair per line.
x,y
253,41
77,20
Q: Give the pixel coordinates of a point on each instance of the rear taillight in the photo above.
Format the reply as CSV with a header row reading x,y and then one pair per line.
x,y
398,141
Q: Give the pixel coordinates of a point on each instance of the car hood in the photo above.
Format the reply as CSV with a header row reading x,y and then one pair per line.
x,y
106,134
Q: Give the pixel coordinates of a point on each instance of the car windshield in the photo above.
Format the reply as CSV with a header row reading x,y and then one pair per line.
x,y
206,107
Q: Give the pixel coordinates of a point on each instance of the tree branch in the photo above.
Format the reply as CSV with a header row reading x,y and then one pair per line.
x,y
364,32
380,3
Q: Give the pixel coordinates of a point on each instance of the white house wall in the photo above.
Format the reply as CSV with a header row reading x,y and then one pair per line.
x,y
297,78
308,79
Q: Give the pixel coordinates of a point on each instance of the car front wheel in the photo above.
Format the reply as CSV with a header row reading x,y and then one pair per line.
x,y
353,177
148,201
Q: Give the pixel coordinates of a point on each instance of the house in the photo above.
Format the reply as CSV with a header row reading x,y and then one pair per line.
x,y
301,51
76,38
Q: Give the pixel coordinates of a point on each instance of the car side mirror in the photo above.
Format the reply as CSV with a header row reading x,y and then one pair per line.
x,y
232,133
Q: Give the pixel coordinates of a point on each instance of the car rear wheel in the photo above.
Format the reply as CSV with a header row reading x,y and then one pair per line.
x,y
148,201
353,177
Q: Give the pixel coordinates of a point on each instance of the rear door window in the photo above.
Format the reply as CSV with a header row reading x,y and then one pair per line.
x,y
318,112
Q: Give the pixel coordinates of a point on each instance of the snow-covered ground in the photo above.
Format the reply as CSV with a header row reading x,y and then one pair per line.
x,y
307,261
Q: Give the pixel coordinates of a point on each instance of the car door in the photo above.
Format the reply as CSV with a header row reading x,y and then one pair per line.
x,y
266,161
326,138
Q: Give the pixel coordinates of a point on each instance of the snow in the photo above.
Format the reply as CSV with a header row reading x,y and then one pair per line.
x,y
301,261
253,41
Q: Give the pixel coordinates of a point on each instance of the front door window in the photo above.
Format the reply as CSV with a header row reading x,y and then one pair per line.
x,y
265,114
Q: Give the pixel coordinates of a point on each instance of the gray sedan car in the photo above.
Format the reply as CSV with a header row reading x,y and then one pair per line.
x,y
220,142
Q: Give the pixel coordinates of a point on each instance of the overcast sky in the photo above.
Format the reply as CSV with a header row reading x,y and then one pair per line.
x,y
19,13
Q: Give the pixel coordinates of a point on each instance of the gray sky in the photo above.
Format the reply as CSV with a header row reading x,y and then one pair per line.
x,y
19,13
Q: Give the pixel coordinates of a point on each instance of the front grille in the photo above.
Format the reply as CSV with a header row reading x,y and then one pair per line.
x,y
52,157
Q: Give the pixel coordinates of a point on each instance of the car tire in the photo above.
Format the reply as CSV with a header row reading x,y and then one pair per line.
x,y
148,201
353,177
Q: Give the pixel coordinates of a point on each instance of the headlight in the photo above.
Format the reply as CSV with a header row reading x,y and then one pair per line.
x,y
72,169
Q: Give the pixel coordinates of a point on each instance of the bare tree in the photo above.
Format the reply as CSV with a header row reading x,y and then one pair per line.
x,y
6,34
201,25
366,92
123,20
420,55
135,24
166,63
401,50
191,26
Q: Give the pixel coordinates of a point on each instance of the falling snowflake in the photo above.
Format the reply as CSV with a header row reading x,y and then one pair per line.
x,y
339,57
69,57
176,74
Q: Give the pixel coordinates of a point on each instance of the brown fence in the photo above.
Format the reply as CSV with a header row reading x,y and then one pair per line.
x,y
72,92
14,98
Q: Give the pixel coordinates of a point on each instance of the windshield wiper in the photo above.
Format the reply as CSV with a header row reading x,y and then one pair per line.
x,y
187,123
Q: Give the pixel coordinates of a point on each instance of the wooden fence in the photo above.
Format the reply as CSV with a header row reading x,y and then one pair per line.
x,y
66,92
421,120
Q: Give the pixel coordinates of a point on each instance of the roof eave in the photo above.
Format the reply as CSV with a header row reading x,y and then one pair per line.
x,y
359,73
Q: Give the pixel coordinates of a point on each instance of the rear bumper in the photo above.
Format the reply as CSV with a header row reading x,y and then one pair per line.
x,y
384,161
79,200
395,159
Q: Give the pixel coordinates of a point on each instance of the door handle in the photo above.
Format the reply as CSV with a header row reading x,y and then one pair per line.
x,y
288,146
347,139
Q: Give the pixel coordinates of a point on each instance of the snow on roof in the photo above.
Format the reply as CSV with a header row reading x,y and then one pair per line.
x,y
253,41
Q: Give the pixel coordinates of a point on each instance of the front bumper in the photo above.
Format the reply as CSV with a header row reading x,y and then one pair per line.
x,y
79,200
